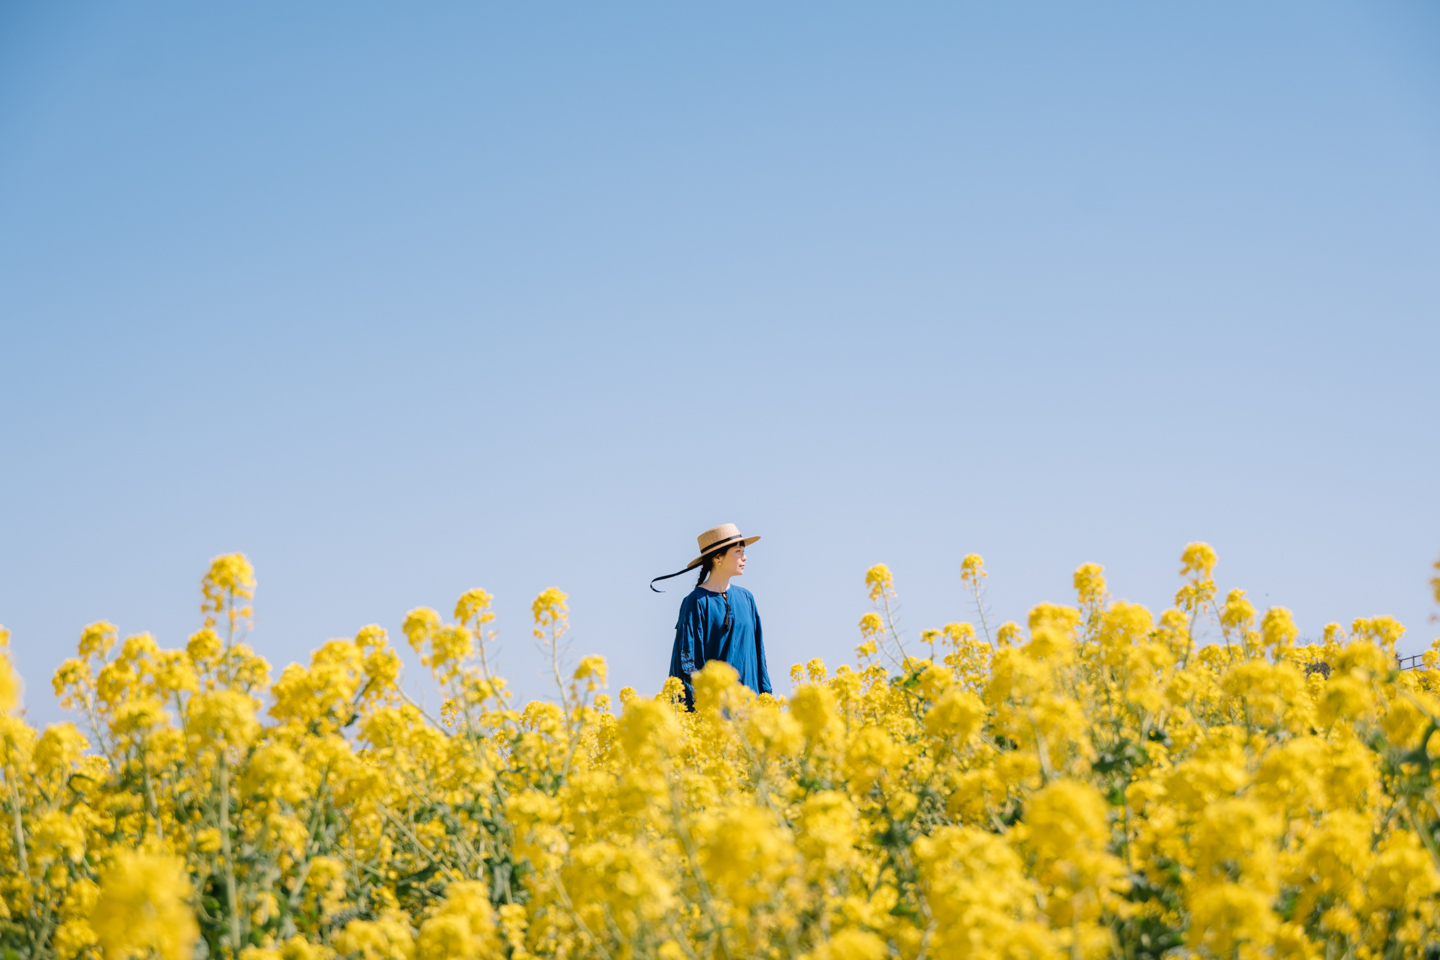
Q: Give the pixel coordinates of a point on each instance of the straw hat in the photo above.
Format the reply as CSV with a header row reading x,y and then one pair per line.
x,y
716,538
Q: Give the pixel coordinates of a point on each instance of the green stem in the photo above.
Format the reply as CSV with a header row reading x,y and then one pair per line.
x,y
231,900
19,825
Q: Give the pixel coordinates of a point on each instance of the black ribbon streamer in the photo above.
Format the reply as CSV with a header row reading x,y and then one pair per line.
x,y
729,541
668,576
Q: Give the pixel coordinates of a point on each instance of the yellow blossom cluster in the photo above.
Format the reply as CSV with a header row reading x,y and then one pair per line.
x,y
1101,782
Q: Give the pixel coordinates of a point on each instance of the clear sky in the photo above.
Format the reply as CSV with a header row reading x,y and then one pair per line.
x,y
405,299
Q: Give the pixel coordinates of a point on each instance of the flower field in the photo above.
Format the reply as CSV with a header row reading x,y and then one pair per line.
x,y
1098,783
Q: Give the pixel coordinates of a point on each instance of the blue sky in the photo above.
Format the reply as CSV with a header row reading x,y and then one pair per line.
x,y
405,300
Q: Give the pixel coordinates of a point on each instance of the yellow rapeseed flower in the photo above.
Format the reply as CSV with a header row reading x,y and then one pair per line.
x,y
142,908
880,582
1106,781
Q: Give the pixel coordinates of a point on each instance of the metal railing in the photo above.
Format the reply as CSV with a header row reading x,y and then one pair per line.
x,y
1416,662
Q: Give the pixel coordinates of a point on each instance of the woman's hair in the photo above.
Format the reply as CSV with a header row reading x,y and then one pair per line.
x,y
708,563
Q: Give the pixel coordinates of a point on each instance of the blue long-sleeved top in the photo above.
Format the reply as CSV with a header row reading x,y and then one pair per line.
x,y
700,636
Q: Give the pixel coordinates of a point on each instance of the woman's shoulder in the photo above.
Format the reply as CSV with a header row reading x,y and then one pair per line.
x,y
743,592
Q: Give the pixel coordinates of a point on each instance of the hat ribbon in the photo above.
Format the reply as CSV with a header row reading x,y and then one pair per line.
x,y
708,550
668,576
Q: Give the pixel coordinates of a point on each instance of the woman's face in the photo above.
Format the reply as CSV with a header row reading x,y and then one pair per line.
x,y
733,563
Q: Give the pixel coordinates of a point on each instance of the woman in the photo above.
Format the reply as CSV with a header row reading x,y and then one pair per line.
x,y
718,620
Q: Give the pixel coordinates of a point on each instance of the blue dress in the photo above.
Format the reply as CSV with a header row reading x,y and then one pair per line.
x,y
700,636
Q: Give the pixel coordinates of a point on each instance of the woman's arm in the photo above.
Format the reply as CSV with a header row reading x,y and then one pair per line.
x,y
689,634
760,652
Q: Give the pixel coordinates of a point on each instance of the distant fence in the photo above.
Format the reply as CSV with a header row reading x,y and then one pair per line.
x,y
1415,662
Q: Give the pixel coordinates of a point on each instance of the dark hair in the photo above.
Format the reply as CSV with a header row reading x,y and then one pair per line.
x,y
708,564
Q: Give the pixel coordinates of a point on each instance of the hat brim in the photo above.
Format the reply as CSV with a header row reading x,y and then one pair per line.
x,y
722,545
